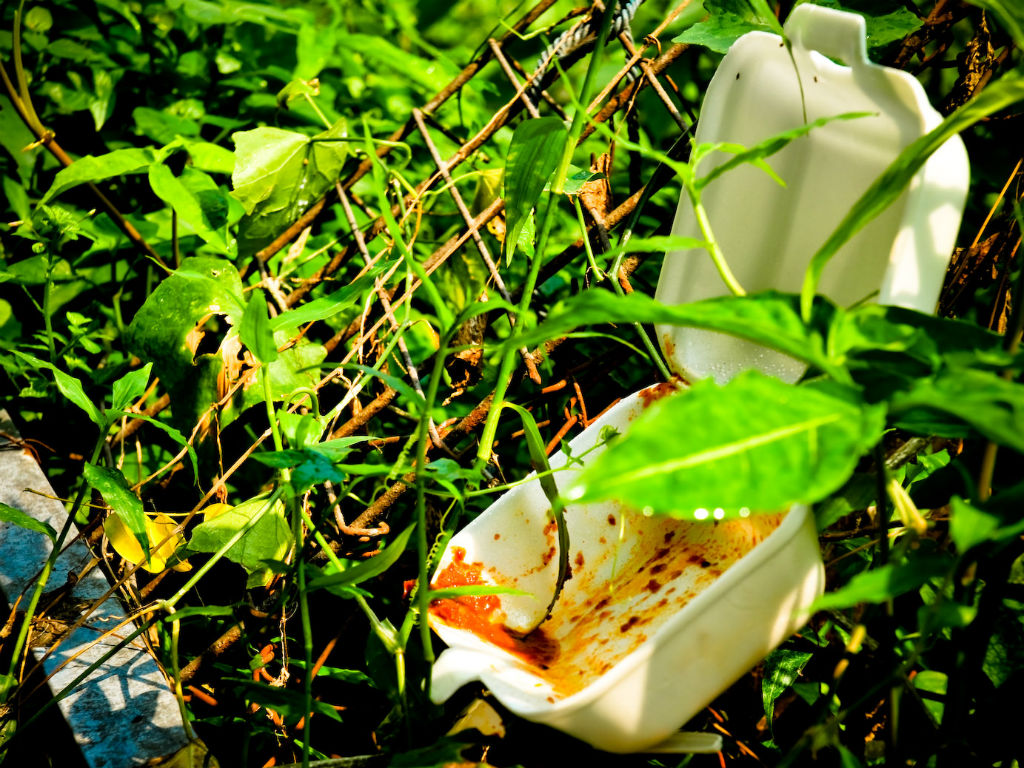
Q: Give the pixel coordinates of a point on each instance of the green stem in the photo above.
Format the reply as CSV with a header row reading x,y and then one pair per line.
x,y
652,351
713,247
44,576
307,634
391,641
268,400
586,240
51,346
511,350
422,546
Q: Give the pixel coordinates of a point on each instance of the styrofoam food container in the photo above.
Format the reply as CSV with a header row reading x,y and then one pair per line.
x,y
662,615
767,232
659,617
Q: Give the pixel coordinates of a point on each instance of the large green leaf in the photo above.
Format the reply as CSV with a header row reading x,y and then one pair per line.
x,y
781,669
771,319
976,400
126,505
201,287
120,162
884,583
756,444
266,542
727,21
533,155
201,205
278,174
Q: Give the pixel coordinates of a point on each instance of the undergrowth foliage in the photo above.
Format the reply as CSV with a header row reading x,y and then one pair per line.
x,y
289,292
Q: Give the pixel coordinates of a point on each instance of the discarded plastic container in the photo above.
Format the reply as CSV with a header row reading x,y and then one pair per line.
x,y
662,615
767,232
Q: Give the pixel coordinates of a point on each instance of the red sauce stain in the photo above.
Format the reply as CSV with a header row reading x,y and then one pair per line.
x,y
548,556
658,568
653,586
603,540
611,520
482,615
579,559
602,603
658,391
669,536
662,603
674,575
661,554
497,536
631,622
550,528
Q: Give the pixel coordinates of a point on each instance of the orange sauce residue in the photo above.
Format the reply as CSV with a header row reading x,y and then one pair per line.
x,y
482,614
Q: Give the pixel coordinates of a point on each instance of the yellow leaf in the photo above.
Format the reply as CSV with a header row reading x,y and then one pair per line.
x,y
158,528
215,510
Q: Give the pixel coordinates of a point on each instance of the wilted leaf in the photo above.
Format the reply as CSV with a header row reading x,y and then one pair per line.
x,y
126,505
159,528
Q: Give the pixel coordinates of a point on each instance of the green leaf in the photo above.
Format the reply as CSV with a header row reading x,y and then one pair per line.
x,y
130,387
328,306
71,388
366,570
9,514
755,154
255,329
958,400
1006,91
278,174
533,155
118,494
211,158
881,28
781,669
771,319
289,704
201,205
756,444
120,162
728,21
970,526
269,540
884,583
164,331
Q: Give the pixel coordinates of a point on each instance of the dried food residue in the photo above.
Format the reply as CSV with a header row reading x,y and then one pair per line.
x,y
612,605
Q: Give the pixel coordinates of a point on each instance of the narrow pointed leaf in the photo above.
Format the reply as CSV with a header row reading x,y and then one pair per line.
x,y
532,157
126,505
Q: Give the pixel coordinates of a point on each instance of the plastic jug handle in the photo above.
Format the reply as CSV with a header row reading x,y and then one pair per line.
x,y
837,34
